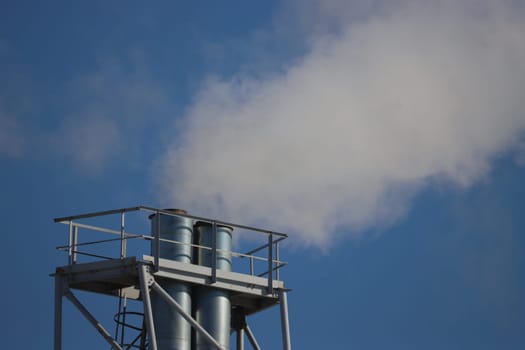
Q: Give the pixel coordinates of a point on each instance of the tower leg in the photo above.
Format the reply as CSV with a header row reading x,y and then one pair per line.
x,y
146,301
58,313
240,339
285,325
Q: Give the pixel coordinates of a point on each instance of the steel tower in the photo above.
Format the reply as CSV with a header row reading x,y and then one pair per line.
x,y
194,290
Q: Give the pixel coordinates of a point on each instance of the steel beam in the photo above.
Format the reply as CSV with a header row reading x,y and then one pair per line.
x,y
105,334
285,325
146,301
157,288
59,288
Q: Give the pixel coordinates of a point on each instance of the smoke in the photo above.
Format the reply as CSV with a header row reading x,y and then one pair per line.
x,y
111,106
344,138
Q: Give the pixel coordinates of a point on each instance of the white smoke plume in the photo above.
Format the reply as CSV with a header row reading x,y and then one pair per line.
x,y
343,139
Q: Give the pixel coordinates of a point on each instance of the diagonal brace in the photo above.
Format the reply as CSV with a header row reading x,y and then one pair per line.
x,y
251,337
157,288
68,294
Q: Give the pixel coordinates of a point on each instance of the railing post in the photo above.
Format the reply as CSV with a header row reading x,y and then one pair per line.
x,y
157,242
69,244
214,252
277,257
122,235
75,241
251,265
270,263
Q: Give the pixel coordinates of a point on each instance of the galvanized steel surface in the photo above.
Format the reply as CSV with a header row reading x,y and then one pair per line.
x,y
177,240
174,228
213,313
172,330
212,306
204,237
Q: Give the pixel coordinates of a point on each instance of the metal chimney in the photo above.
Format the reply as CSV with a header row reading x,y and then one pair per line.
x,y
173,331
212,305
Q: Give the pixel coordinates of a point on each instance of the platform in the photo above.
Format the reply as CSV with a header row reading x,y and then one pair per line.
x,y
119,277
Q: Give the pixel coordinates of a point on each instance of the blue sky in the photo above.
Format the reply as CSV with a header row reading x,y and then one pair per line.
x,y
385,136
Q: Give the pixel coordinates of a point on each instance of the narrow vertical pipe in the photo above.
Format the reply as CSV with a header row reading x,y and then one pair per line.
x,y
122,236
156,232
285,325
270,264
213,259
69,244
240,339
122,329
119,314
75,241
173,331
58,313
212,306
278,263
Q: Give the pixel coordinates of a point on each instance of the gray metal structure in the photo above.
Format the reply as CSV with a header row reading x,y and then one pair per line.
x,y
212,305
187,284
172,330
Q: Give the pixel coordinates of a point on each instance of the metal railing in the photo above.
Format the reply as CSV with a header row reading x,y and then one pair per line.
x,y
74,248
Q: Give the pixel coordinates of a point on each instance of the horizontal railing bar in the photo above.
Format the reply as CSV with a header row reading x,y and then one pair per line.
x,y
218,222
69,220
93,255
234,254
274,269
147,237
99,213
263,247
95,228
166,212
255,257
96,242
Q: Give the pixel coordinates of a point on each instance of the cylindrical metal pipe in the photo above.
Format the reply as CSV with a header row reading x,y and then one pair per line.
x,y
212,305
285,324
172,330
240,339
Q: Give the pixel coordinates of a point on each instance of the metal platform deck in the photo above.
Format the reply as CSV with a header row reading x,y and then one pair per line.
x,y
119,277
